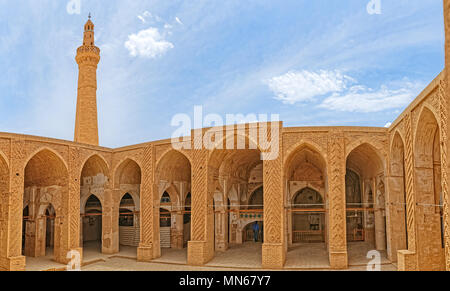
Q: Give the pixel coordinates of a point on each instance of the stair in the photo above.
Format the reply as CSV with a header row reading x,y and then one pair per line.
x,y
165,237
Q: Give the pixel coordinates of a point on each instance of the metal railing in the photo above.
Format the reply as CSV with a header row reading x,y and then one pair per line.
x,y
309,236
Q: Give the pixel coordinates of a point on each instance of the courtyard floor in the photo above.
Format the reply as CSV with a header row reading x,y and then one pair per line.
x,y
238,257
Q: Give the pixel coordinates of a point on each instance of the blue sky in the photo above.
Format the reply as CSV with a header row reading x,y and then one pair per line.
x,y
321,62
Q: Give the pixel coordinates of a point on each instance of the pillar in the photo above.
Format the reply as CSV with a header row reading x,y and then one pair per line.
x,y
274,246
407,259
395,216
201,245
337,239
221,228
115,244
176,239
149,220
12,259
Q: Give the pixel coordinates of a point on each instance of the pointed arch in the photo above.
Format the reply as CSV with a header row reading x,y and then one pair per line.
x,y
173,166
128,171
92,167
46,168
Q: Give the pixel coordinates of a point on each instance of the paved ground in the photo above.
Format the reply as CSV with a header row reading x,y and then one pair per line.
x,y
238,257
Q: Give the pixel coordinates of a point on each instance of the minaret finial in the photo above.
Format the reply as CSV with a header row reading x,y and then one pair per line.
x,y
89,15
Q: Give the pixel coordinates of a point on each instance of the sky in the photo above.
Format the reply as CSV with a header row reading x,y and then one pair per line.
x,y
315,63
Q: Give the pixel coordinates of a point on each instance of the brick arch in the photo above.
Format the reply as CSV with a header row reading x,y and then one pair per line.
x,y
397,153
365,150
46,148
170,149
222,160
93,165
135,196
223,143
168,166
424,136
120,169
423,110
312,187
48,163
173,194
299,145
308,160
84,200
376,145
427,173
105,168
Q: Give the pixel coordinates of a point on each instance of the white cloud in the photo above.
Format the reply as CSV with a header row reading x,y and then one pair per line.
x,y
388,124
304,86
178,20
148,43
367,100
141,18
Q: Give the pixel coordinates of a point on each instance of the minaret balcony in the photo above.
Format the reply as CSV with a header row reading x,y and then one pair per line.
x,y
88,49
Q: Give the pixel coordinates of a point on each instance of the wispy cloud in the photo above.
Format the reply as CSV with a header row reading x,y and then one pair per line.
x,y
366,100
148,43
178,21
340,92
294,87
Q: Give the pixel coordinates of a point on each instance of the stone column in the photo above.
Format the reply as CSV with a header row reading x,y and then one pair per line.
x,y
395,216
201,246
221,228
115,221
337,240
177,231
407,259
380,225
107,221
70,238
13,259
274,246
148,246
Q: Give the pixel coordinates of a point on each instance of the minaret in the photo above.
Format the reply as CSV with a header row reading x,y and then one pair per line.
x,y
88,56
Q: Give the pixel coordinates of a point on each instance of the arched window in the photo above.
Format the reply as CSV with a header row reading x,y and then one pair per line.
x,y
165,198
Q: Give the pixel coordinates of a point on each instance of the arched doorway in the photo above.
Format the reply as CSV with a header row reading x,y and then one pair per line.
x,y
365,204
129,233
173,174
45,186
254,230
165,225
127,178
95,182
305,175
92,224
235,174
308,217
355,213
50,215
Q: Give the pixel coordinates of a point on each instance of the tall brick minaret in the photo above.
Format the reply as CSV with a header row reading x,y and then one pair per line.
x,y
88,57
